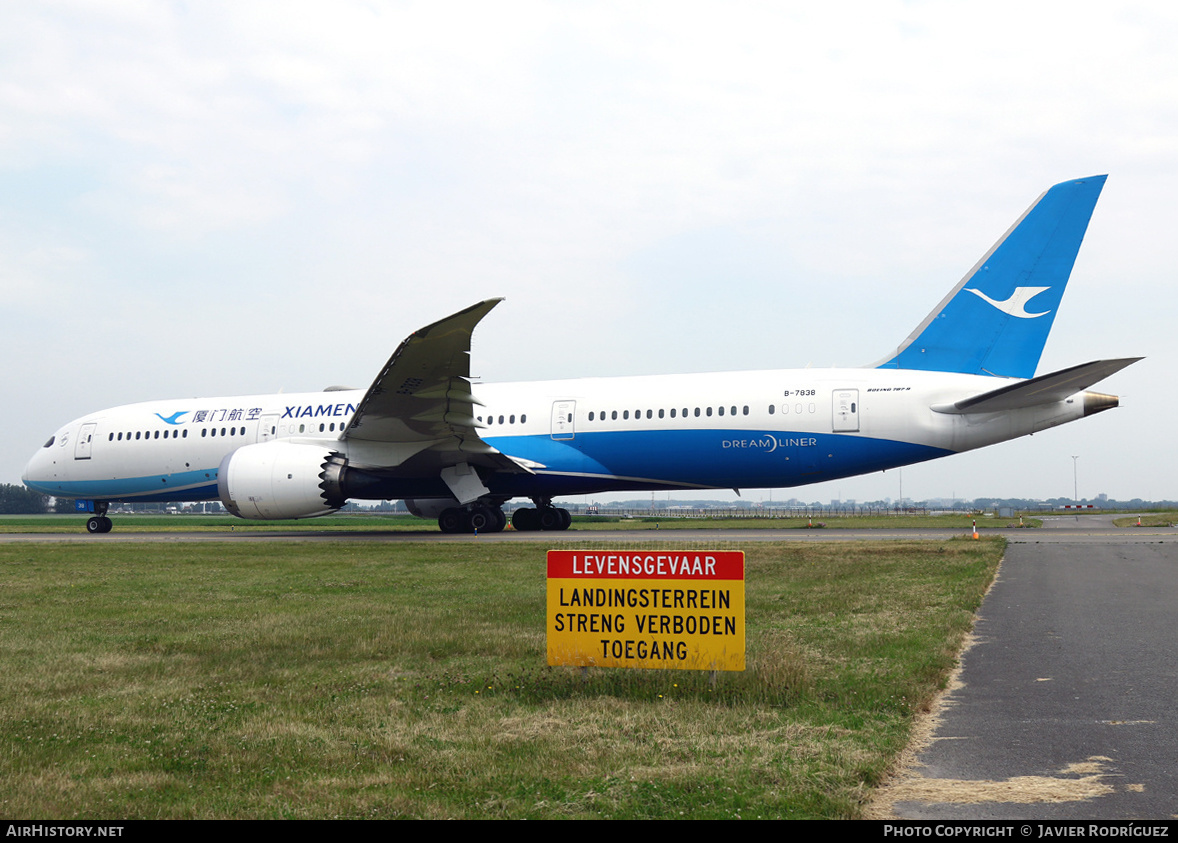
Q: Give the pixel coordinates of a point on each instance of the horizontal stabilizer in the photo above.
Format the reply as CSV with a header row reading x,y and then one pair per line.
x,y
1045,389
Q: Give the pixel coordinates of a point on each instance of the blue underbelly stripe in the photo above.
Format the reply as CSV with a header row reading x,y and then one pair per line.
x,y
719,458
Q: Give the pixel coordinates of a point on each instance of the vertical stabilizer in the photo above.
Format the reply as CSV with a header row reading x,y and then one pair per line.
x,y
996,320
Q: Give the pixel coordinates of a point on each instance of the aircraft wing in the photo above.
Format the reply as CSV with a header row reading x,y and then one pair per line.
x,y
422,401
1045,389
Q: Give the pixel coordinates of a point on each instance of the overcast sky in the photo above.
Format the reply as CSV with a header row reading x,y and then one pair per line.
x,y
225,198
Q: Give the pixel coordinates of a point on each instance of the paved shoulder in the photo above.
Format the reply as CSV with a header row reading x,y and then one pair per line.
x,y
1066,708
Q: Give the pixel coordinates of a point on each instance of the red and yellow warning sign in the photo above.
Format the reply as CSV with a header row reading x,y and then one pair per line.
x,y
648,609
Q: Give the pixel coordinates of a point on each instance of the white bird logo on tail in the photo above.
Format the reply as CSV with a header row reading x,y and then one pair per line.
x,y
1016,305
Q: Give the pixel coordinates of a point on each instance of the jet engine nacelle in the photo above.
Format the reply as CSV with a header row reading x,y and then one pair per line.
x,y
429,507
281,480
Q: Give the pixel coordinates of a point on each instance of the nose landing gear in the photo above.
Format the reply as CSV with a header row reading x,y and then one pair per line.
x,y
99,523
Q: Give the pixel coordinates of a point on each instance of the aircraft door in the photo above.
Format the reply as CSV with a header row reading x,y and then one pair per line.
x,y
846,411
563,413
267,428
85,436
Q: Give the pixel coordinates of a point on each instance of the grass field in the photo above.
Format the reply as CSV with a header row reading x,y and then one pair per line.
x,y
369,680
1149,519
406,523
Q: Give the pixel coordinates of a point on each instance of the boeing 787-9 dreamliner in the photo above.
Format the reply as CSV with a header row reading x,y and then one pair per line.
x,y
457,451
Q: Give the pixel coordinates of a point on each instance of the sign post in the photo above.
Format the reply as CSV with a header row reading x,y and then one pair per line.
x,y
646,609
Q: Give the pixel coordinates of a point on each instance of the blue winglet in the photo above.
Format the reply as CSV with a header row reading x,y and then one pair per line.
x,y
996,320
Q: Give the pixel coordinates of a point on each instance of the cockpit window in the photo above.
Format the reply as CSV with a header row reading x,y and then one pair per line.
x,y
50,442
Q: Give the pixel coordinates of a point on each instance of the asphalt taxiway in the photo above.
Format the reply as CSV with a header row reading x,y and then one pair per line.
x,y
1064,705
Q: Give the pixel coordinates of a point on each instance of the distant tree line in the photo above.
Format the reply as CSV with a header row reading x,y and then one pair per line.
x,y
17,500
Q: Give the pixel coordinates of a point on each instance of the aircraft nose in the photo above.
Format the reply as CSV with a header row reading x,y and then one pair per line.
x,y
35,470
30,470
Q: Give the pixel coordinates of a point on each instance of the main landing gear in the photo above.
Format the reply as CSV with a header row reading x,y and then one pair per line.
x,y
543,517
489,518
479,518
99,523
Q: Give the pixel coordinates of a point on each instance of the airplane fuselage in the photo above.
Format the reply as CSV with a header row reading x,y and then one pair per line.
x,y
716,430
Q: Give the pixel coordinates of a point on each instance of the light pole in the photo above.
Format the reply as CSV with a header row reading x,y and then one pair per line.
x,y
1075,484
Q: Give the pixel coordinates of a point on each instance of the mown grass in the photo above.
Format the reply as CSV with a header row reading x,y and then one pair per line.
x,y
363,522
834,522
149,523
1150,519
371,680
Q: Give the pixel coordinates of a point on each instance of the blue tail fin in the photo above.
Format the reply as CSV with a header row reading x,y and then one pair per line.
x,y
996,321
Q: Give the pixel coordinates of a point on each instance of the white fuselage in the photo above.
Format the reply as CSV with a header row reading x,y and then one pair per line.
x,y
716,430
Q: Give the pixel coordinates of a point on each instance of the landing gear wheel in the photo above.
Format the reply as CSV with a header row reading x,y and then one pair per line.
x,y
99,524
525,520
481,519
552,518
500,520
451,520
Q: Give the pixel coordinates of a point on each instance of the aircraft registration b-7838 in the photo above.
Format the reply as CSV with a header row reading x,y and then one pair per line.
x,y
457,450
